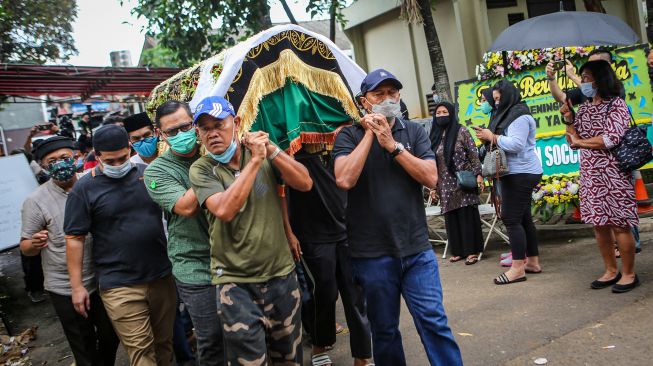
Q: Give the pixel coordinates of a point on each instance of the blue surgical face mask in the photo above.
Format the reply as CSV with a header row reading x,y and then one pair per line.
x,y
486,108
183,142
226,156
588,90
146,147
117,172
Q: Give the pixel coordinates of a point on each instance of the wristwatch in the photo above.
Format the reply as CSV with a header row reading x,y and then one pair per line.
x,y
399,147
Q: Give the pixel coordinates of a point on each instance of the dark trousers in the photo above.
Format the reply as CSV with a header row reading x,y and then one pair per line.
x,y
92,340
329,267
203,310
33,272
180,345
415,278
516,196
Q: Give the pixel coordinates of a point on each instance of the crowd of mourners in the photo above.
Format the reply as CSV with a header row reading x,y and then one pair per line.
x,y
183,223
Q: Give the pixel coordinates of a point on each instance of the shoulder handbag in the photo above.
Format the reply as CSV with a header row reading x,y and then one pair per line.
x,y
635,150
466,180
495,163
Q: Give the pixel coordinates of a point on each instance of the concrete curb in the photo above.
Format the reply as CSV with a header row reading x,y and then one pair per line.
x,y
568,231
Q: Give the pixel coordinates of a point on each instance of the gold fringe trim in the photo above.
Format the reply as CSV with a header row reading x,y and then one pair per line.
x,y
273,77
314,138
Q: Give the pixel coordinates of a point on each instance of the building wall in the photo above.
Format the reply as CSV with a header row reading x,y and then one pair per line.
x,y
498,18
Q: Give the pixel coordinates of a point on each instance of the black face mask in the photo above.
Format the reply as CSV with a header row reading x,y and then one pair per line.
x,y
442,121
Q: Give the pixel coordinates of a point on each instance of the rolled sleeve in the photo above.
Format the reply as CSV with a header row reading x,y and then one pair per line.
x,y
32,219
204,182
163,188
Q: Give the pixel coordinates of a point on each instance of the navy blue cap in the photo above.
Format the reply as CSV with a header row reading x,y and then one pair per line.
x,y
217,107
376,77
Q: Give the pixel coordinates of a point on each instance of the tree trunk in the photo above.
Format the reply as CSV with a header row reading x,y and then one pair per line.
x,y
594,5
264,18
332,20
649,16
286,8
438,67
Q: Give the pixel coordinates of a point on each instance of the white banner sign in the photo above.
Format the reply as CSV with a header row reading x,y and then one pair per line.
x,y
17,181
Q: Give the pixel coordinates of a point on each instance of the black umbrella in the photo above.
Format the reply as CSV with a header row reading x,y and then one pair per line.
x,y
565,29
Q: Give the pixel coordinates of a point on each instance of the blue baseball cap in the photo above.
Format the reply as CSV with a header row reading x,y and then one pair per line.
x,y
217,107
376,77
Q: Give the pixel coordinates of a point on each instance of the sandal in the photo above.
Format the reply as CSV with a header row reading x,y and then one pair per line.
x,y
532,271
617,253
504,280
505,255
455,259
471,260
321,359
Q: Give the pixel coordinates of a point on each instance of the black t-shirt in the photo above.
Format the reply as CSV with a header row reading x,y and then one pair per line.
x,y
385,211
129,244
318,216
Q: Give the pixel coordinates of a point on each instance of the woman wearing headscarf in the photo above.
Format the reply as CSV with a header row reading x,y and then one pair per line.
x,y
512,129
455,152
488,107
607,195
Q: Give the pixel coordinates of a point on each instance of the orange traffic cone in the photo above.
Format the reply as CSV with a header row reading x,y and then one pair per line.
x,y
641,195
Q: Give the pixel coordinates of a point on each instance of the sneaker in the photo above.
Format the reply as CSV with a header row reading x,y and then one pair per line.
x,y
36,296
505,255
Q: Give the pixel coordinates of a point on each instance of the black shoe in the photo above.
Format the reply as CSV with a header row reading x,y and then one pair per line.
x,y
620,289
637,250
597,285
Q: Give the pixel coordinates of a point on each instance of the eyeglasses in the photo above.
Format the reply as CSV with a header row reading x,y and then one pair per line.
x,y
147,135
175,130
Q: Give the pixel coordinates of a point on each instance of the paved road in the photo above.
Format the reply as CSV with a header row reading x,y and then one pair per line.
x,y
552,315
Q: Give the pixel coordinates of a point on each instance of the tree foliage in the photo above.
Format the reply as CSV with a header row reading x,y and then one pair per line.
x,y
37,31
158,56
193,30
196,29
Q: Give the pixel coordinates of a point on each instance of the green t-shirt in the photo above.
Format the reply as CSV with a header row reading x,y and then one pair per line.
x,y
166,179
253,246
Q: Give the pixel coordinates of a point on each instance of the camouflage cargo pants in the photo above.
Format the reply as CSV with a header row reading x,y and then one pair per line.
x,y
262,322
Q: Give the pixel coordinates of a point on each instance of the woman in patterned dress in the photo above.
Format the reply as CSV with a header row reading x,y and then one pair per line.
x,y
455,151
607,195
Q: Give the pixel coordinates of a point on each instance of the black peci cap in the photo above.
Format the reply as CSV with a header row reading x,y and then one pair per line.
x,y
44,147
110,138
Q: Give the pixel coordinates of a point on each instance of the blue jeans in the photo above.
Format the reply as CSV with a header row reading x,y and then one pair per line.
x,y
200,302
416,278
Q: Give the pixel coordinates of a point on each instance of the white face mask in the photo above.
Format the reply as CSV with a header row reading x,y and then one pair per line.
x,y
388,108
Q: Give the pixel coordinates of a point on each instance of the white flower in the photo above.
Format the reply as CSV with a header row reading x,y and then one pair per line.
x,y
573,189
